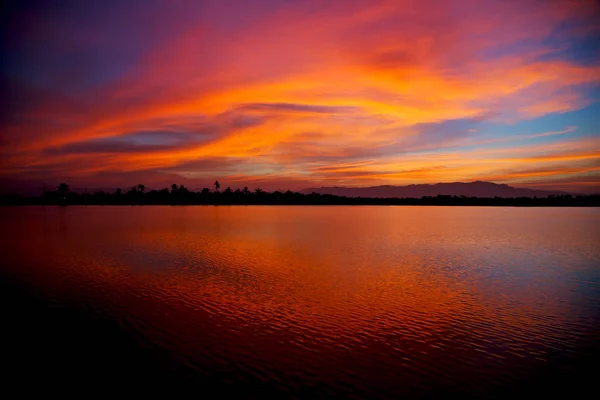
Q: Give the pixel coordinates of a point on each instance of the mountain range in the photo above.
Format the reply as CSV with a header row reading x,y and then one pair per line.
x,y
469,189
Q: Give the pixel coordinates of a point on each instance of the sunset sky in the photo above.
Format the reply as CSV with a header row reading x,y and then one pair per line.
x,y
284,94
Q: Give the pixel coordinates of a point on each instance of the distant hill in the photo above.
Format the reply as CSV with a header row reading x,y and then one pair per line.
x,y
470,189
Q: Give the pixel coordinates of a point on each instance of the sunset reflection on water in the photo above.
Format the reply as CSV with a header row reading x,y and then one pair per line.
x,y
370,301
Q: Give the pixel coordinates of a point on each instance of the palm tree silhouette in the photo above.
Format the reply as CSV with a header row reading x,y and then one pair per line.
x,y
141,187
217,186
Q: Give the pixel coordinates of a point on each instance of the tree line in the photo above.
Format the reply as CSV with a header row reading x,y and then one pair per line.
x,y
180,195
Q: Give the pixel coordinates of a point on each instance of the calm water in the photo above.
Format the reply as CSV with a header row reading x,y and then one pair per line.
x,y
304,301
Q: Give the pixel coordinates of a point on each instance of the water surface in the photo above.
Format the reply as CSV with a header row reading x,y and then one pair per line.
x,y
305,301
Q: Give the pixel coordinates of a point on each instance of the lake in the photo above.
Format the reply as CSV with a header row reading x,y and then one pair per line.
x,y
302,301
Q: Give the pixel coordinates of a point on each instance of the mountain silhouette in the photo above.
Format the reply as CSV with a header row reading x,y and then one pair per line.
x,y
469,189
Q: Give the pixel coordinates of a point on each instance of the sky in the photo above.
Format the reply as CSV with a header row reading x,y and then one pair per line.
x,y
284,94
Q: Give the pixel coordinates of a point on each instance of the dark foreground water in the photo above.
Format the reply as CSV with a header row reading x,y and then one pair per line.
x,y
308,302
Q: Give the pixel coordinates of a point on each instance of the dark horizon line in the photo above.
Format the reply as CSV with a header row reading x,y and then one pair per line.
x,y
306,190
180,195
